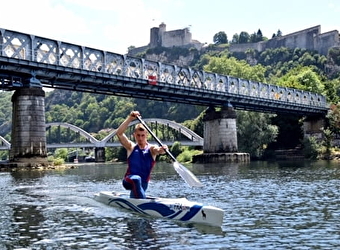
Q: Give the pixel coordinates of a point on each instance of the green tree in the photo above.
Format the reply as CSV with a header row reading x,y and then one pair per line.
x,y
272,56
332,90
256,37
5,113
220,38
334,55
259,36
303,78
307,59
61,153
279,33
334,118
235,39
254,132
176,149
244,37
233,67
196,124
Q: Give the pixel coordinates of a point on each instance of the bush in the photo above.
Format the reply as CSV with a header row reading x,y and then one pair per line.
x,y
186,156
311,148
176,149
58,161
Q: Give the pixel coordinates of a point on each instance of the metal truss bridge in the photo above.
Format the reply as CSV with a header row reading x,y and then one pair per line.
x,y
29,60
89,141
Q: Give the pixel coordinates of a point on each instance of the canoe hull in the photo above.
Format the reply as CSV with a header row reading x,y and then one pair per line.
x,y
176,209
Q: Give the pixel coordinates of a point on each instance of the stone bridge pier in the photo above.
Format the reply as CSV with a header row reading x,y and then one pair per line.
x,y
220,137
28,138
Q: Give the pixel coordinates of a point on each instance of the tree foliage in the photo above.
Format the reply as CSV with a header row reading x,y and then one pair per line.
x,y
303,78
235,39
334,118
233,67
5,113
255,132
244,37
334,55
220,38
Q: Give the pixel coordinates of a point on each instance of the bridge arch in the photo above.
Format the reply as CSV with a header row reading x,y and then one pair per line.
x,y
7,145
191,135
75,129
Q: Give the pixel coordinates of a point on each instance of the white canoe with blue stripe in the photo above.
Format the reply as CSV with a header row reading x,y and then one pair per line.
x,y
179,209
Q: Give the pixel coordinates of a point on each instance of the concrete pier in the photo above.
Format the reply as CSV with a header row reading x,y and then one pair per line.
x,y
312,126
100,154
220,137
28,142
220,134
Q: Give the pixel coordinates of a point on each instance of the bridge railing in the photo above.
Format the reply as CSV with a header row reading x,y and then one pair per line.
x,y
42,50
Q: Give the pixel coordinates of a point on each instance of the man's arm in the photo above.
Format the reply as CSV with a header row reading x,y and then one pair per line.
x,y
128,144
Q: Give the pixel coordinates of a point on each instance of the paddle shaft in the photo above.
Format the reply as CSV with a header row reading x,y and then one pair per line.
x,y
181,170
155,137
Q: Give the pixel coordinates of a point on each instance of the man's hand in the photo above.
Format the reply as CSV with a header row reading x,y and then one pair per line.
x,y
134,114
162,150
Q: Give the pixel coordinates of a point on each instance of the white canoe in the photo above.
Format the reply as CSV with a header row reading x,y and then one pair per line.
x,y
176,209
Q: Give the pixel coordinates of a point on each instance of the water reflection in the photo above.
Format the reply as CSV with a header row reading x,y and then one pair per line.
x,y
140,234
26,211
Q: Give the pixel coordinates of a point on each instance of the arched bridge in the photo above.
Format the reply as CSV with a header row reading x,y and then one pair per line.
x,y
4,144
29,60
192,138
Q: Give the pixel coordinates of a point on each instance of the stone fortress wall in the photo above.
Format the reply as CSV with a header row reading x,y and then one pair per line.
x,y
159,37
311,39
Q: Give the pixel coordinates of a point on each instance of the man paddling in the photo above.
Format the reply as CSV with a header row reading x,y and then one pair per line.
x,y
141,157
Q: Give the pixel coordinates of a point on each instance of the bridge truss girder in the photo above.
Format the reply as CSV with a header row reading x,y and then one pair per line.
x,y
28,60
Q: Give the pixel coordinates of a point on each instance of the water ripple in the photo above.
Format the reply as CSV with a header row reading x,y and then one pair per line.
x,y
267,206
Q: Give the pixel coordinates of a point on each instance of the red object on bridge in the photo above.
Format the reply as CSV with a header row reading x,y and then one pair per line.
x,y
152,80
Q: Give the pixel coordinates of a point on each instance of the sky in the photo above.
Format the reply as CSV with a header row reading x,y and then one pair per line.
x,y
114,25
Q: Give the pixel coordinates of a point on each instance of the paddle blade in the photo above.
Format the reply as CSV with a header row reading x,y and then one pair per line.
x,y
187,176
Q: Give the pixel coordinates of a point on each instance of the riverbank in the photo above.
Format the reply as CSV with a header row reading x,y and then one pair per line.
x,y
14,166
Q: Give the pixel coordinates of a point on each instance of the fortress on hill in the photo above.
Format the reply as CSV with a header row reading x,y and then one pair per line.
x,y
311,39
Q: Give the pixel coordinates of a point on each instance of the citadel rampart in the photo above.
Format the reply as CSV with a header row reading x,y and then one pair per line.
x,y
310,39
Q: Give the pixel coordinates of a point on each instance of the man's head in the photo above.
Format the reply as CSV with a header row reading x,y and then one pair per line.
x,y
140,134
140,127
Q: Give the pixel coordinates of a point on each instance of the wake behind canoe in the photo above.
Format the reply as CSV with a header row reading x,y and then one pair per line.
x,y
179,209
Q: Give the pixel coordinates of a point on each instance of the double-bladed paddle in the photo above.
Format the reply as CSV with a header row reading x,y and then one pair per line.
x,y
187,176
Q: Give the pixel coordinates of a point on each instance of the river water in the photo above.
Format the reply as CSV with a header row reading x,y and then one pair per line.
x,y
279,205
